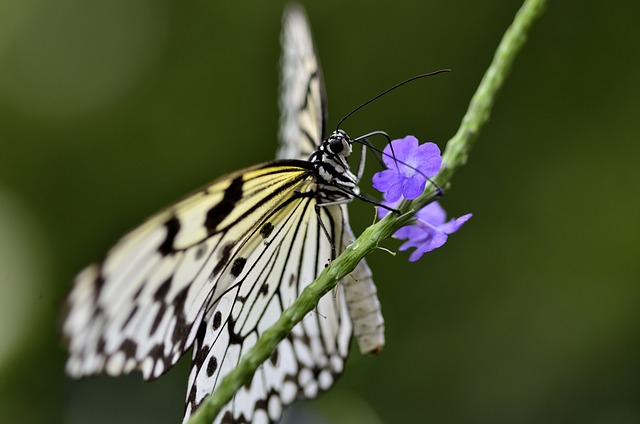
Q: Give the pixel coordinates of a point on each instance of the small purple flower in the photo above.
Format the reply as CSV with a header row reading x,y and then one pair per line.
x,y
430,231
409,165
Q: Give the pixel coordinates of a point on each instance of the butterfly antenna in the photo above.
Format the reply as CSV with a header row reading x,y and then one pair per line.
x,y
364,141
388,90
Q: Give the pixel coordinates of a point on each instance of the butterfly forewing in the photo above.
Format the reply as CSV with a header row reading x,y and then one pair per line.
x,y
303,105
140,307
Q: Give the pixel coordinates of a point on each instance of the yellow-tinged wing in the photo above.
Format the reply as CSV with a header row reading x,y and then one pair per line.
x,y
141,305
303,103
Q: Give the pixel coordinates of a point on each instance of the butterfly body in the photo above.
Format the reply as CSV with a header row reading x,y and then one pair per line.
x,y
212,272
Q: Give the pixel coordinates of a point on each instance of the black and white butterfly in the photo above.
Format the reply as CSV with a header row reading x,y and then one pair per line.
x,y
215,270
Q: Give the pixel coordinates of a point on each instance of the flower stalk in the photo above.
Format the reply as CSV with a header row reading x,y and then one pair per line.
x,y
455,155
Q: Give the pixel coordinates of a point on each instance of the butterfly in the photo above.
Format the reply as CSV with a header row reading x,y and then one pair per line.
x,y
216,269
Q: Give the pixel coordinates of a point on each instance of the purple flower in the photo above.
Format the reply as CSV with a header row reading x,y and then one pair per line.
x,y
430,231
409,165
406,177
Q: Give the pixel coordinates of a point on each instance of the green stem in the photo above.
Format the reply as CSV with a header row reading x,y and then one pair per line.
x,y
455,155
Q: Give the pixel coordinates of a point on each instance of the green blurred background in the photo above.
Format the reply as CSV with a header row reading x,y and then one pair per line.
x,y
531,314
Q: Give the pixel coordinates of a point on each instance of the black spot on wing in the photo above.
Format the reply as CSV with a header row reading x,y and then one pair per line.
x,y
274,357
225,254
212,366
181,330
227,418
238,266
217,320
129,348
202,249
304,337
219,212
161,293
158,318
261,404
156,351
181,297
98,283
100,345
173,228
160,296
266,230
200,356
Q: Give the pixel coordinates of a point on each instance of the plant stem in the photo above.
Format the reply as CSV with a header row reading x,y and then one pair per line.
x,y
455,155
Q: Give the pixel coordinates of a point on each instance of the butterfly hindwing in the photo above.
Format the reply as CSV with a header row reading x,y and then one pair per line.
x,y
309,359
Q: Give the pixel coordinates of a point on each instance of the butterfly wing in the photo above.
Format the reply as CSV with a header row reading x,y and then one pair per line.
x,y
141,306
303,123
312,356
303,104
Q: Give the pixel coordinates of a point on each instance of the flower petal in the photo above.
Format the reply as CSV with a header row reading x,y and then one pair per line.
x,y
394,192
384,179
438,239
400,150
408,232
433,213
413,187
428,156
455,224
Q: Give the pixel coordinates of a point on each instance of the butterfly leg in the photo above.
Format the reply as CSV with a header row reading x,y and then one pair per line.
x,y
363,159
324,229
335,203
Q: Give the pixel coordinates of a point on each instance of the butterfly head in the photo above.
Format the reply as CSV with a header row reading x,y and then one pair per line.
x,y
339,143
330,161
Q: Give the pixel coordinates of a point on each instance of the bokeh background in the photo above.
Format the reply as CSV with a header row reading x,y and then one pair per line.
x,y
530,314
